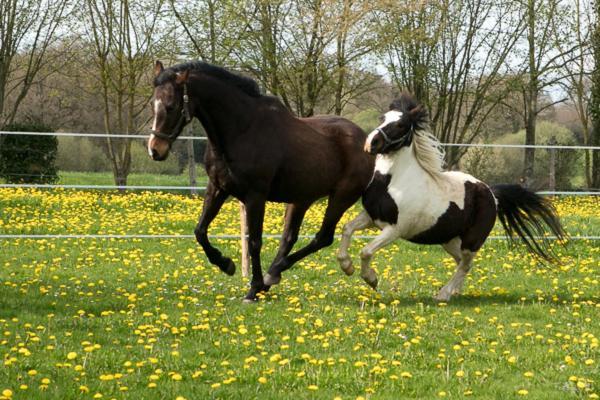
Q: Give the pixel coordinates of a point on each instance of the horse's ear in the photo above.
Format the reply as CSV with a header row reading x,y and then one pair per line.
x,y
418,115
182,77
158,68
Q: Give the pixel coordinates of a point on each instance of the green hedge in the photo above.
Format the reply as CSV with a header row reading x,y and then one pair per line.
x,y
28,158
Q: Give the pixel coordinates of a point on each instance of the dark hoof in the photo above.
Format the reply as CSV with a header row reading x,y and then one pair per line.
x,y
271,280
373,284
228,267
252,296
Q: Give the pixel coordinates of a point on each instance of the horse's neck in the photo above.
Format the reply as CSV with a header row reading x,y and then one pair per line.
x,y
401,165
224,117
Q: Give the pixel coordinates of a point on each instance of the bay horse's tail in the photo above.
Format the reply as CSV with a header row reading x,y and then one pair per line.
x,y
528,215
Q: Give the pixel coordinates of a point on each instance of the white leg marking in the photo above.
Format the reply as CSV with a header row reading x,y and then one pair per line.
x,y
453,248
387,236
361,222
456,283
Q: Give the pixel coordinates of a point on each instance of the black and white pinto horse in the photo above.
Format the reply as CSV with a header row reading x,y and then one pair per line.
x,y
411,197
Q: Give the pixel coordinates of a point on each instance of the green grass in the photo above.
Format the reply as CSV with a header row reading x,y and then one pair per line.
x,y
156,309
106,178
134,179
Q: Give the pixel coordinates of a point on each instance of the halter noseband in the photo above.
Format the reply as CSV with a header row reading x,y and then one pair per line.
x,y
184,119
390,142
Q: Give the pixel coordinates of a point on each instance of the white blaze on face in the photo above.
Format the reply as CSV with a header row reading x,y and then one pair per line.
x,y
157,104
388,118
150,144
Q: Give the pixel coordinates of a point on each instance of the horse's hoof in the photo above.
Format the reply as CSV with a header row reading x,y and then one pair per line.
x,y
346,266
442,297
271,280
247,300
372,282
228,267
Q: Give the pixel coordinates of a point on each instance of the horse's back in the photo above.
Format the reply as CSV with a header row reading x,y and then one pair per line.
x,y
323,156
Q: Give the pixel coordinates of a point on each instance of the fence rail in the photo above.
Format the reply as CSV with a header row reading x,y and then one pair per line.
x,y
134,187
193,188
141,137
229,237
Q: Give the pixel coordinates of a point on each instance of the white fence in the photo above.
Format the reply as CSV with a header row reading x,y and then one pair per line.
x,y
192,188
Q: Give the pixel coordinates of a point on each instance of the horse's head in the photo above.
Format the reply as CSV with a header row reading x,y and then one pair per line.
x,y
171,110
397,127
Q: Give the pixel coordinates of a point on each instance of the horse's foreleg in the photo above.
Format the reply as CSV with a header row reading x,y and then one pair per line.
x,y
213,202
294,214
336,206
361,222
255,213
387,236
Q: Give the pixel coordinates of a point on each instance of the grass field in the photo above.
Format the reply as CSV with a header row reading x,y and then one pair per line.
x,y
106,178
132,319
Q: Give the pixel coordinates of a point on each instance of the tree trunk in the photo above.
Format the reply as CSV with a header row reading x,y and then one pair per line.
x,y
528,164
120,176
596,156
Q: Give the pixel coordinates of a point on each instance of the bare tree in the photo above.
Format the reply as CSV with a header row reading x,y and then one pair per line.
x,y
595,96
124,38
28,28
453,57
575,32
544,68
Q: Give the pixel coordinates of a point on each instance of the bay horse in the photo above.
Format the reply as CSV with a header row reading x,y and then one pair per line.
x,y
411,197
258,151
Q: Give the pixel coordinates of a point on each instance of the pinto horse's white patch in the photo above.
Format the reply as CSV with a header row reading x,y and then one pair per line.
x,y
388,118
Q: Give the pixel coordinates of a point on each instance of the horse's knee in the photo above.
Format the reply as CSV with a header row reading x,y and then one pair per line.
x,y
347,230
366,254
324,239
201,234
254,245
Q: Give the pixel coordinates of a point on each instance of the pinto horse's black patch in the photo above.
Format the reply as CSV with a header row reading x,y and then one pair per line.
x,y
378,202
472,224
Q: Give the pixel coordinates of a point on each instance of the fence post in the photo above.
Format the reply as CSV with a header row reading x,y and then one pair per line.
x,y
244,240
191,164
552,166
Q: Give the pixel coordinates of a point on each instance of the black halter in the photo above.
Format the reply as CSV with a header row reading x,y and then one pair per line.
x,y
184,119
405,139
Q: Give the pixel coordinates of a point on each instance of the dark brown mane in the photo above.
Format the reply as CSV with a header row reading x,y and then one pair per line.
x,y
245,84
406,104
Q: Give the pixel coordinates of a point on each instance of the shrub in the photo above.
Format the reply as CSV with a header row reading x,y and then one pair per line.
x,y
28,158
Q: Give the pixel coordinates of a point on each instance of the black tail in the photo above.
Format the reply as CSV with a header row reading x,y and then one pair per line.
x,y
527,214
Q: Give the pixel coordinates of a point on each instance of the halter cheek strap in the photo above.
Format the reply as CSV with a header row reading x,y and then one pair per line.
x,y
184,119
390,142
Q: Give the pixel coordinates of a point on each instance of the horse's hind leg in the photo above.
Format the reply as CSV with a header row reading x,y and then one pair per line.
x,y
294,215
213,202
361,222
387,236
336,207
464,260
